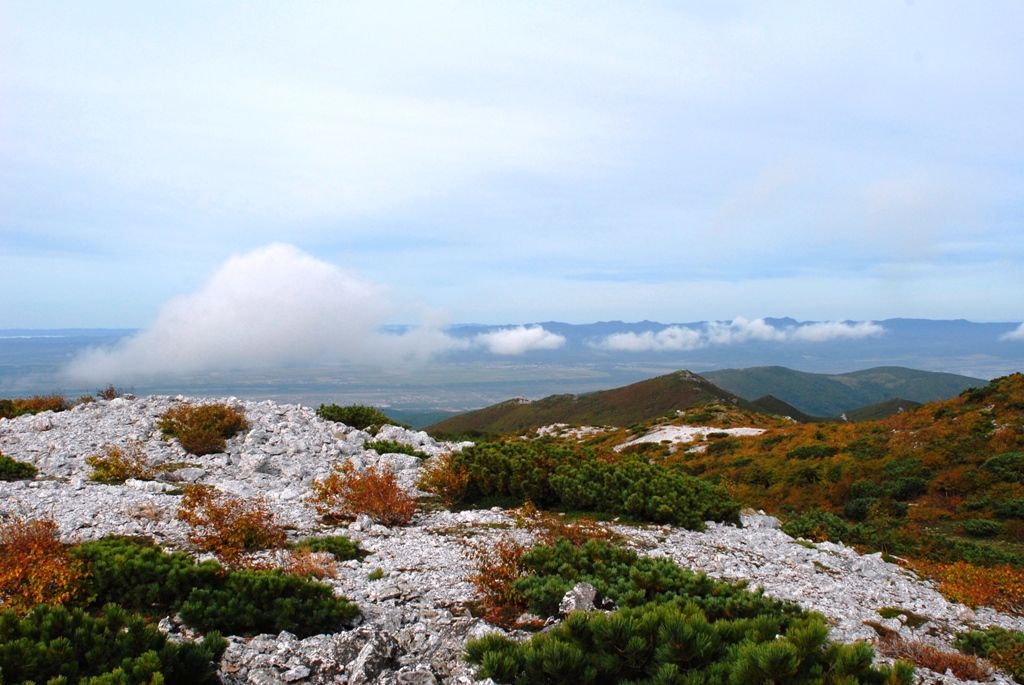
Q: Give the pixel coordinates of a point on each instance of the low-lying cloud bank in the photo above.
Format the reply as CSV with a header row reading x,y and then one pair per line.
x,y
277,306
739,330
519,340
1016,334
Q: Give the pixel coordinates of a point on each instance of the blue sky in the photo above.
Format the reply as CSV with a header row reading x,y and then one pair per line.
x,y
516,162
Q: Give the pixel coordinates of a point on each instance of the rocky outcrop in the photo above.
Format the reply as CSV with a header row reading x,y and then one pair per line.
x,y
412,586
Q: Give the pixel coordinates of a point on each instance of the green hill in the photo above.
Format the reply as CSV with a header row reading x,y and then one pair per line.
x,y
623,406
820,394
881,410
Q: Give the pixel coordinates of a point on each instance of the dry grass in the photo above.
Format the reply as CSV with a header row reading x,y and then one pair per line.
x,y
228,526
346,493
35,567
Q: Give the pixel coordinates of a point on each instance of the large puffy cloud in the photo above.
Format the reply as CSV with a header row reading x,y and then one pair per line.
x,y
1016,334
274,306
519,340
737,331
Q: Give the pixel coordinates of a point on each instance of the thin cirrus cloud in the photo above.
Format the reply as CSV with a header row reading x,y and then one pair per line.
x,y
737,331
278,306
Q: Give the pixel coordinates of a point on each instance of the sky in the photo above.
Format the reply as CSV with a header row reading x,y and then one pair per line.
x,y
508,163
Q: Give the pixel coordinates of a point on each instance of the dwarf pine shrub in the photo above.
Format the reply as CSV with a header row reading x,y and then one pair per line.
x,y
358,416
553,474
251,602
673,626
12,469
341,547
140,576
1004,648
393,447
58,645
203,428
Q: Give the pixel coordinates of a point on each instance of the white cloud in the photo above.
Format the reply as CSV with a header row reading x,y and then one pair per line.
x,y
1014,335
671,339
741,330
519,340
737,331
836,330
270,307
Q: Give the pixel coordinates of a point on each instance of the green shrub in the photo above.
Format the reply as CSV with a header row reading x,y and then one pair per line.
x,y
863,489
938,547
549,473
251,602
358,416
1009,508
817,451
57,645
628,580
906,488
141,576
11,469
393,447
204,428
981,528
674,626
858,509
817,525
1008,467
340,546
1004,648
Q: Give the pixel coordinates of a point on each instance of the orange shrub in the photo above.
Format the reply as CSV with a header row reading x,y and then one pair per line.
x,y
346,493
445,480
305,563
202,429
9,409
999,587
228,526
35,568
118,464
963,666
498,565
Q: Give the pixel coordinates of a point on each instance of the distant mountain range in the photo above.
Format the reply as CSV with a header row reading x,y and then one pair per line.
x,y
860,395
833,394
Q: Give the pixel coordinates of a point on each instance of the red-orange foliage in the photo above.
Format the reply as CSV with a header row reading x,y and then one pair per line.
x,y
31,405
35,567
999,587
204,428
963,666
497,567
228,526
346,493
442,479
302,562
